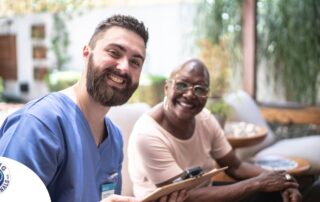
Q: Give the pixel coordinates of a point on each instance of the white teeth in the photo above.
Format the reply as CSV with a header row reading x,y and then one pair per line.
x,y
185,104
116,79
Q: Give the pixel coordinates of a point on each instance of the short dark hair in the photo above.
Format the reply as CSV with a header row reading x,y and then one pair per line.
x,y
123,21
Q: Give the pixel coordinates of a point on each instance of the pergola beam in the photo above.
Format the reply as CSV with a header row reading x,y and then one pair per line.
x,y
249,46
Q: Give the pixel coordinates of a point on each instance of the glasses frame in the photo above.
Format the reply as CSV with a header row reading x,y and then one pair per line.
x,y
190,86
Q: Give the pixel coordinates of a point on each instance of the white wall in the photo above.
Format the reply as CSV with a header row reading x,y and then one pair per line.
x,y
21,27
170,28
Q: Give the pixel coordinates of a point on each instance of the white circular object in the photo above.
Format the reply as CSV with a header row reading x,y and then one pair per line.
x,y
20,183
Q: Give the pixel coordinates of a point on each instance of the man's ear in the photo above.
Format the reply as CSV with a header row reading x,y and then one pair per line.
x,y
86,51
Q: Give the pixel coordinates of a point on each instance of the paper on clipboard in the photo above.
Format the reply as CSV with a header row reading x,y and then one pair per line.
x,y
185,184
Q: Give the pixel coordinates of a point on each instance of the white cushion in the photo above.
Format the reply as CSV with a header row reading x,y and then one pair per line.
x,y
125,117
245,109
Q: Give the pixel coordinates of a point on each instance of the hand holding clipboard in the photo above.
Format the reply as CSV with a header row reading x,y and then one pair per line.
x,y
186,184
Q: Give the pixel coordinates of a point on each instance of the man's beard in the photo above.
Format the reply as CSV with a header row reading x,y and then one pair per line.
x,y
99,90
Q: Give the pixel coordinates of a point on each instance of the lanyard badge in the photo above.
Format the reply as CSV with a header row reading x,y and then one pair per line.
x,y
109,186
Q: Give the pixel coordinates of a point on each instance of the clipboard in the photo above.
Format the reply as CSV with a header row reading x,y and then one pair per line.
x,y
185,184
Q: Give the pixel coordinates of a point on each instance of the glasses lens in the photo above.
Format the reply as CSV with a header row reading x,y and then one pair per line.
x,y
200,90
181,86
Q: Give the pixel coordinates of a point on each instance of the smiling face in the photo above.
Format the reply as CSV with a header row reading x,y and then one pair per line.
x,y
186,104
114,65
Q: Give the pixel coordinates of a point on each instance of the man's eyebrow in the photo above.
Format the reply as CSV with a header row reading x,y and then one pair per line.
x,y
124,50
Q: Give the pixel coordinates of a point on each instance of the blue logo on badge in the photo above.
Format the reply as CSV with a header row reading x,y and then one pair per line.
x,y
4,177
1,177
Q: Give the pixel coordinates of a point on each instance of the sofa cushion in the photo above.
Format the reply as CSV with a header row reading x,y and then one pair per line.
x,y
245,109
124,117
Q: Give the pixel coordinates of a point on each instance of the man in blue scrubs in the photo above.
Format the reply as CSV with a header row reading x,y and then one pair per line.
x,y
65,137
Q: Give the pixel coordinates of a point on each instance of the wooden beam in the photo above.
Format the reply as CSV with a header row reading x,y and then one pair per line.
x,y
305,115
249,46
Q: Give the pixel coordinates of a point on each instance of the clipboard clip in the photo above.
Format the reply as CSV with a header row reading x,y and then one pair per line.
x,y
190,173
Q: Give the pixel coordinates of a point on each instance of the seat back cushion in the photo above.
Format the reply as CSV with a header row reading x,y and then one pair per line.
x,y
125,117
245,109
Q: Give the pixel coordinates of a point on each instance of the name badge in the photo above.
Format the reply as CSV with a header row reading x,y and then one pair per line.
x,y
109,186
107,189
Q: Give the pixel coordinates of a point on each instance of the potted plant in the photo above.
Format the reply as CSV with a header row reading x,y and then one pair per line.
x,y
220,109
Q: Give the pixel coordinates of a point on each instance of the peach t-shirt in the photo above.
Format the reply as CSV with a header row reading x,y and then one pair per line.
x,y
156,156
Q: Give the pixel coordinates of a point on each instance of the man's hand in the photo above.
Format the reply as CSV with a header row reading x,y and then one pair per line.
x,y
291,195
118,198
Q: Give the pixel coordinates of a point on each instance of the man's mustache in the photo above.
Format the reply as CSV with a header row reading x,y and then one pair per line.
x,y
115,71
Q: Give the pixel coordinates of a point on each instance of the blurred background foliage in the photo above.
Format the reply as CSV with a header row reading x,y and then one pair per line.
x,y
289,38
59,80
219,31
288,43
218,19
216,57
60,41
150,89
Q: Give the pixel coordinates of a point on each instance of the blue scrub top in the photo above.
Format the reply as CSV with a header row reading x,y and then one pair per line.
x,y
51,136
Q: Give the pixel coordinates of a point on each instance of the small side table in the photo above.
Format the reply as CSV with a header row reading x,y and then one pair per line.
x,y
302,166
299,168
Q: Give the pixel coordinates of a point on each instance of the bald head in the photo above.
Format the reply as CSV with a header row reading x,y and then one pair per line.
x,y
192,66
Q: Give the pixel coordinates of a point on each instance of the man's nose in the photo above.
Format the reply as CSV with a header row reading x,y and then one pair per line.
x,y
123,65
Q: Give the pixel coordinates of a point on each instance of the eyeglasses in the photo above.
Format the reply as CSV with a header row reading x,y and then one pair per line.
x,y
198,90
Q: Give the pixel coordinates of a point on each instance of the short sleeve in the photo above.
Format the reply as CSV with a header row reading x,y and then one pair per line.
x,y
31,142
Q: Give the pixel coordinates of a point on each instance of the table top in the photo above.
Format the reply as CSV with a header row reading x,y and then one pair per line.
x,y
303,166
293,165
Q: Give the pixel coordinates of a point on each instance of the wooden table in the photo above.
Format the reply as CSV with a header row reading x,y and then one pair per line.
x,y
302,165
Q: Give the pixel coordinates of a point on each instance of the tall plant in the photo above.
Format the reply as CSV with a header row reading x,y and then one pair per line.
x,y
220,18
60,41
219,30
289,38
